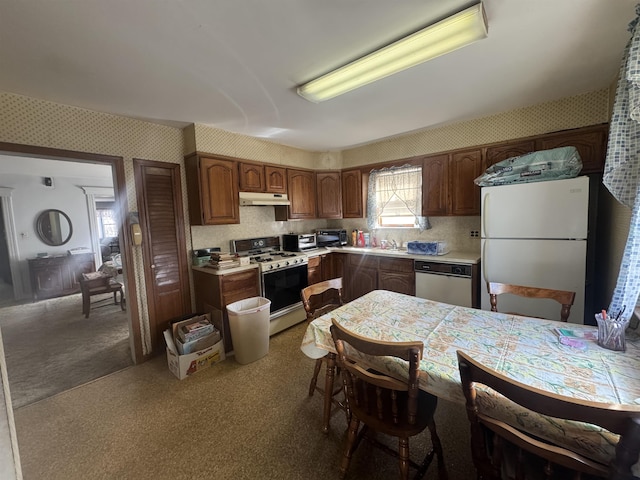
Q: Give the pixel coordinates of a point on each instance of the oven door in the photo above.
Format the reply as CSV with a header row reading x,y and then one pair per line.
x,y
283,287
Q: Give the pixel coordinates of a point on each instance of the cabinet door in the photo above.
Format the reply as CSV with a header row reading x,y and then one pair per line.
x,y
362,275
314,270
47,280
396,275
498,153
276,179
302,194
252,177
435,182
464,168
219,185
352,194
334,266
591,145
329,194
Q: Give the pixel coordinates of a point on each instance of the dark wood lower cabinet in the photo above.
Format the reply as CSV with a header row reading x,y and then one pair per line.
x,y
396,275
59,275
365,273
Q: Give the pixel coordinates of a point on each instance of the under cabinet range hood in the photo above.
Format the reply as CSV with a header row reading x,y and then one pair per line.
x,y
255,198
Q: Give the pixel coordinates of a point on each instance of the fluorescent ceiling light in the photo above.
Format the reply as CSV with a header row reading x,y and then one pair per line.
x,y
452,33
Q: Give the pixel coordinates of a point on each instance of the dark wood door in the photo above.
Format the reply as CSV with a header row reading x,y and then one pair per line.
x,y
499,153
464,168
329,194
251,177
163,246
352,194
276,179
302,194
435,182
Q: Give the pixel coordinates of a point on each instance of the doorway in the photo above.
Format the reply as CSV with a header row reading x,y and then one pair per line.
x,y
32,358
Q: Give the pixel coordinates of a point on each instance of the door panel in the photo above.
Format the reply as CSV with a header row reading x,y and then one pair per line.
x,y
163,247
557,264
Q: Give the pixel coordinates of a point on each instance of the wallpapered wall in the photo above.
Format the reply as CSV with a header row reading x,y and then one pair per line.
x,y
30,121
37,122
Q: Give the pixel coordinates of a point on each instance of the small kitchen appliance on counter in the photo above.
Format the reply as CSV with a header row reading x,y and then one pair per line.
x,y
292,242
331,238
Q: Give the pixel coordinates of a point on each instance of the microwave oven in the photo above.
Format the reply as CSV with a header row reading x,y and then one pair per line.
x,y
331,238
292,242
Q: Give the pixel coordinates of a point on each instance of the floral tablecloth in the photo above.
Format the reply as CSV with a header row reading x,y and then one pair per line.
x,y
525,349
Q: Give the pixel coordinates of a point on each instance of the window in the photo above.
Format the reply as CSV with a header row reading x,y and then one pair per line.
x,y
106,220
395,198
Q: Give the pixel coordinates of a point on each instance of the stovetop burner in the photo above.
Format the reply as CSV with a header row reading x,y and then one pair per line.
x,y
266,252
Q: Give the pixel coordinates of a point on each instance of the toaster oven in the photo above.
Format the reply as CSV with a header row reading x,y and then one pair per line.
x,y
331,238
292,242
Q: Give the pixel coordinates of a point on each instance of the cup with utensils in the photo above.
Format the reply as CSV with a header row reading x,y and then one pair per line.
x,y
611,330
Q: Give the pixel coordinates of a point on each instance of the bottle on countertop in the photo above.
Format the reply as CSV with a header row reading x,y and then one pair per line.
x,y
354,238
360,238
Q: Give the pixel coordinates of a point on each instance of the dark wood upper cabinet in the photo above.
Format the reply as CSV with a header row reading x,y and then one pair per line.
x,y
464,195
301,188
252,177
352,196
501,152
329,194
435,185
275,179
212,185
590,142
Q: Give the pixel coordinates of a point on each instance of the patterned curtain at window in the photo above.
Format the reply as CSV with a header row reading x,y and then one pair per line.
x,y
387,185
622,170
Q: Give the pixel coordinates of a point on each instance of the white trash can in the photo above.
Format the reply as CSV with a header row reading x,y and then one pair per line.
x,y
249,324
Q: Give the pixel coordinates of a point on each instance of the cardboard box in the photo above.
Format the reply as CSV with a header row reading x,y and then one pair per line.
x,y
184,365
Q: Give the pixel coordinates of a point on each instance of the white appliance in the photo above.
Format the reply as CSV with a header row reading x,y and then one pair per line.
x,y
535,234
444,282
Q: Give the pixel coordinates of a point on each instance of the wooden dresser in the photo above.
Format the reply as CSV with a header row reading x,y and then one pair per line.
x,y
56,276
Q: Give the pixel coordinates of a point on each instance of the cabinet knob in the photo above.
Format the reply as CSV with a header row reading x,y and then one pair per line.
x,y
153,266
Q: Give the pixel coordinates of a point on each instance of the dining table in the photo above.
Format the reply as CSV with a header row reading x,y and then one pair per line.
x,y
525,349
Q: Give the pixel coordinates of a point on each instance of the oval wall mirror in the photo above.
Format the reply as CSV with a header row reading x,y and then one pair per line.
x,y
54,227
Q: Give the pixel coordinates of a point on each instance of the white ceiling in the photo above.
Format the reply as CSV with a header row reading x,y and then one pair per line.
x,y
235,64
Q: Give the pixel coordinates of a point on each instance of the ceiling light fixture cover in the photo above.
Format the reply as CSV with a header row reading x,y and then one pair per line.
x,y
453,32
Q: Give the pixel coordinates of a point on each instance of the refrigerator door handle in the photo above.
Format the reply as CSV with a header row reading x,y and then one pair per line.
x,y
485,215
485,260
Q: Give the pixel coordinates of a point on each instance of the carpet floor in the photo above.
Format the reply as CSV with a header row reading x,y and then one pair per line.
x,y
233,421
51,347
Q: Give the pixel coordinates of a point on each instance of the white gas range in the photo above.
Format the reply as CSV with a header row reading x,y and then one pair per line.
x,y
283,275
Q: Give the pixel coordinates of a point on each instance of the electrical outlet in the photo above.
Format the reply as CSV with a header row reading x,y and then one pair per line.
x,y
474,234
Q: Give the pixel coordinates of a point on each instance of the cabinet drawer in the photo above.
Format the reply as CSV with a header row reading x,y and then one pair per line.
x,y
241,281
367,261
231,297
396,264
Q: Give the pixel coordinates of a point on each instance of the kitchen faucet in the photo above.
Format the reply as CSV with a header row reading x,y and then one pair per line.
x,y
394,245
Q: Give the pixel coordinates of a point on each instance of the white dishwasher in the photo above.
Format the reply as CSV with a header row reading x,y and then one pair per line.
x,y
445,282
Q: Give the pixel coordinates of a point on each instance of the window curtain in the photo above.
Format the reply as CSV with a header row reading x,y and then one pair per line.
x,y
622,170
401,182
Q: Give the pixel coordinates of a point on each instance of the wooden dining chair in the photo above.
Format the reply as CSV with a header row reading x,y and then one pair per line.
x,y
497,446
318,299
565,298
385,404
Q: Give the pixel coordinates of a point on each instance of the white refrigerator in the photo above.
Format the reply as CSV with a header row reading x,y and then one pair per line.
x,y
535,234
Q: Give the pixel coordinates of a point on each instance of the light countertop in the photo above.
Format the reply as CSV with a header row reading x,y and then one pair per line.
x,y
451,257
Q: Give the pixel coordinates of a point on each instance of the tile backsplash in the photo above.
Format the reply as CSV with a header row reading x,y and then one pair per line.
x,y
260,221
